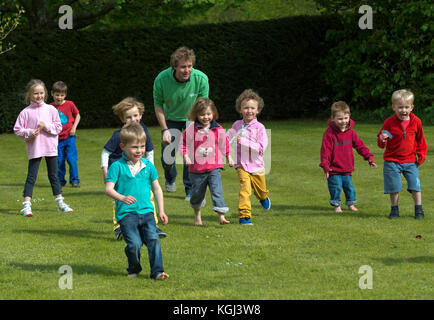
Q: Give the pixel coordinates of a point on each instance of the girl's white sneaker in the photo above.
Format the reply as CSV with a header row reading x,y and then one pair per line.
x,y
63,207
27,211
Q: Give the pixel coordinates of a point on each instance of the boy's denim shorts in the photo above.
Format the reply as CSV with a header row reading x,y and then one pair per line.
x,y
392,176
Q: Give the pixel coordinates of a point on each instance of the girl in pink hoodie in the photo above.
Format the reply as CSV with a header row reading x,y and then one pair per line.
x,y
203,146
337,159
39,125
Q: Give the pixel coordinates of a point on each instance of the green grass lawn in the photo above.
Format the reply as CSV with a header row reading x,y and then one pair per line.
x,y
300,249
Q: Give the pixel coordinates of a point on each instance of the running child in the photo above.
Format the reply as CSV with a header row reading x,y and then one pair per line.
x,y
402,136
251,142
203,146
39,125
129,183
337,158
128,110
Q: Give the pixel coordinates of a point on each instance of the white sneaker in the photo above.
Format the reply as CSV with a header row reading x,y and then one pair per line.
x,y
27,211
63,207
171,187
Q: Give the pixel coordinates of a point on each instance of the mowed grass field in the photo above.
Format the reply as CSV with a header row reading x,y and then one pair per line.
x,y
300,249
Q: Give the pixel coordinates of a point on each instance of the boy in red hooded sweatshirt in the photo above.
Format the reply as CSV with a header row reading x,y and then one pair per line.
x,y
337,158
402,136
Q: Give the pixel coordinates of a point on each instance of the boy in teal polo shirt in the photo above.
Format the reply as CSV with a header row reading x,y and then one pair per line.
x,y
175,91
129,182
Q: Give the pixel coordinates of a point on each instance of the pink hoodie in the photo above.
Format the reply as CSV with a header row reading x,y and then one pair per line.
x,y
252,145
205,147
45,144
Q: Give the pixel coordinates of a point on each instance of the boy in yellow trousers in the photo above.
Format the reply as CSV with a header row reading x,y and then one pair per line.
x,y
251,142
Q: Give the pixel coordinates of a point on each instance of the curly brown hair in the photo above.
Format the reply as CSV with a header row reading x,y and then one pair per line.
x,y
246,95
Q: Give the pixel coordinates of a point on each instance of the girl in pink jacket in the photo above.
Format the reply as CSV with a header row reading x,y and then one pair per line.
x,y
204,143
39,125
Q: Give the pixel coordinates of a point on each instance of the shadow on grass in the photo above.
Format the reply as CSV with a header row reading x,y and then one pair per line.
x,y
90,234
310,210
76,268
392,261
10,211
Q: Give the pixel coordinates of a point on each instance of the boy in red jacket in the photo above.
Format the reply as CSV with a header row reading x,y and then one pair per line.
x,y
402,136
337,158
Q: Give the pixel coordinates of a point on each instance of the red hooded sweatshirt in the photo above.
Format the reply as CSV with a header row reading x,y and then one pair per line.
x,y
337,149
404,145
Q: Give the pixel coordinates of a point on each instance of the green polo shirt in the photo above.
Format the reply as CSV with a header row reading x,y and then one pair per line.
x,y
176,97
139,187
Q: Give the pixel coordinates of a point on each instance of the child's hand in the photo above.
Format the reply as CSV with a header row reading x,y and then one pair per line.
x,y
231,161
326,175
164,219
187,160
238,139
72,132
36,132
384,135
373,165
128,199
41,125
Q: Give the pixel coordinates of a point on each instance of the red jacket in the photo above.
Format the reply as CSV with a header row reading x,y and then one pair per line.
x,y
337,149
404,145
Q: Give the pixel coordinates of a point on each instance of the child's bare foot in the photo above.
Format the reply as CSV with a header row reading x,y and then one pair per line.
x,y
197,218
352,208
222,219
162,276
338,209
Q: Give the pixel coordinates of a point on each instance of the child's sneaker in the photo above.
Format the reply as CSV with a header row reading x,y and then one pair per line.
x,y
27,211
266,203
246,222
394,212
62,206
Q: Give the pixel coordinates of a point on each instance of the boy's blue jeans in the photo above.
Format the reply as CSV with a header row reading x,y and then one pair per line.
x,y
168,159
338,182
66,150
139,229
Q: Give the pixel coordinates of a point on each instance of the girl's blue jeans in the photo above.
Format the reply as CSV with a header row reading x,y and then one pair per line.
x,y
139,229
213,180
338,182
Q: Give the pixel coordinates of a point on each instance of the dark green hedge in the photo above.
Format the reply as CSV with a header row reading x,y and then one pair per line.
x,y
279,59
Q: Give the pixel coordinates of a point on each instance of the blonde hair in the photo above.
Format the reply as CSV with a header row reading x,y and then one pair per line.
x,y
31,85
340,106
249,94
131,132
125,105
182,53
200,105
403,94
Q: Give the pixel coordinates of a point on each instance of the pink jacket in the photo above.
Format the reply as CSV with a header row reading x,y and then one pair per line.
x,y
252,144
205,147
45,144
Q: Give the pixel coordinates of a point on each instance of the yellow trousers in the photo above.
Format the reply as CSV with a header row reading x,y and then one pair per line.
x,y
116,224
247,182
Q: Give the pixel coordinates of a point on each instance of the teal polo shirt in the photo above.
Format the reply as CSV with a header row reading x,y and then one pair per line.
x,y
139,187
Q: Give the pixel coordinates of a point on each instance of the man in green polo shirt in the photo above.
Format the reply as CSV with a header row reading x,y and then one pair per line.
x,y
175,91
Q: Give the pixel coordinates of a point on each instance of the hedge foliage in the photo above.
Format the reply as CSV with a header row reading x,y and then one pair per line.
x,y
366,66
278,58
